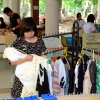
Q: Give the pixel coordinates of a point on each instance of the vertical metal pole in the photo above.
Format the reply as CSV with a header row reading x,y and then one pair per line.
x,y
74,49
73,44
77,46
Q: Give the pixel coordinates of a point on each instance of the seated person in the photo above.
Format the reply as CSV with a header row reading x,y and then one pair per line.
x,y
89,27
80,21
2,23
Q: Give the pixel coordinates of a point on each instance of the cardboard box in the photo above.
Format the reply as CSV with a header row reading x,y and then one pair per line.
x,y
81,32
8,38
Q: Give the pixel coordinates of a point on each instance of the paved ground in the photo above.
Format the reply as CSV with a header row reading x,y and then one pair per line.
x,y
5,78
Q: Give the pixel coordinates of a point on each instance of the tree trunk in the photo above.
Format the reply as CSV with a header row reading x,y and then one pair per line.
x,y
91,8
60,10
85,7
68,10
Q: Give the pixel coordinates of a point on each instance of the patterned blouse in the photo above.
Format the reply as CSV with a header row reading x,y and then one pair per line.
x,y
29,48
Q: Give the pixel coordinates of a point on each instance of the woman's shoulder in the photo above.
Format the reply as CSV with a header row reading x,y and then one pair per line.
x,y
39,39
19,39
18,42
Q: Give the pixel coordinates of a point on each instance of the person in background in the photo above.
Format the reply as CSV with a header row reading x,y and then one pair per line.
x,y
29,44
15,21
43,24
80,21
2,23
89,27
43,19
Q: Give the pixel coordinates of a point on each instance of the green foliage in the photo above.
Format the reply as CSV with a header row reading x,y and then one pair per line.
x,y
1,4
42,6
73,4
94,2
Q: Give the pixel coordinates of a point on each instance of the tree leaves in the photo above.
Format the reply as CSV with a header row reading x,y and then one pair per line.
x,y
1,4
94,2
42,6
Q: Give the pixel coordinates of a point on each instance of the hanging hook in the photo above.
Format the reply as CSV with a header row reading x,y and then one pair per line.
x,y
91,50
98,53
93,56
85,50
91,53
98,57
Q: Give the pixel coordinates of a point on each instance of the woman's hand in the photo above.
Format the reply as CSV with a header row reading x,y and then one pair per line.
x,y
29,57
20,61
11,29
3,33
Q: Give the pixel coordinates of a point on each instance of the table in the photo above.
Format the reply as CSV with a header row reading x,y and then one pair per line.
x,y
7,39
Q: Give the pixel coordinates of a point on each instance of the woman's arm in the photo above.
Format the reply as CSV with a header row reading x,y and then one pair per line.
x,y
20,61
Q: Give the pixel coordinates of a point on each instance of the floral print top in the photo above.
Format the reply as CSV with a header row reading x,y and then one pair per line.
x,y
29,48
